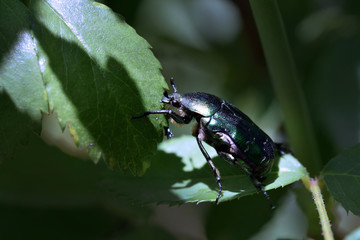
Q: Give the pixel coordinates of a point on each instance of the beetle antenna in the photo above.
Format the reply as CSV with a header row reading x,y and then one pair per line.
x,y
173,84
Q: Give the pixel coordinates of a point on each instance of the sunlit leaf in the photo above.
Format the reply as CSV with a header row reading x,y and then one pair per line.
x,y
82,61
355,235
179,174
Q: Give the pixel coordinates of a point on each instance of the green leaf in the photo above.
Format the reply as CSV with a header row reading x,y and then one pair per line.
x,y
179,174
82,61
20,75
22,94
342,178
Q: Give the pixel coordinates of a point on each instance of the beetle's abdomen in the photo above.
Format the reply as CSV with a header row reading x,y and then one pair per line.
x,y
254,146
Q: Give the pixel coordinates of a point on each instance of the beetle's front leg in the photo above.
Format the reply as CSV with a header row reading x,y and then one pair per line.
x,y
212,166
177,118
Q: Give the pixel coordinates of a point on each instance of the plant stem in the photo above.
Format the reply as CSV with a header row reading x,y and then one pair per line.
x,y
324,219
285,81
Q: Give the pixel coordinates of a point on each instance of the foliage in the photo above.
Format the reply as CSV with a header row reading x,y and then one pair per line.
x,y
87,70
341,175
81,64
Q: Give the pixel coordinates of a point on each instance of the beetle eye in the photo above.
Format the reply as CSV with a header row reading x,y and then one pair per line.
x,y
175,103
166,94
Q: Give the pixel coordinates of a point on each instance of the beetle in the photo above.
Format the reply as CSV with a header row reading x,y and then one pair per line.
x,y
234,136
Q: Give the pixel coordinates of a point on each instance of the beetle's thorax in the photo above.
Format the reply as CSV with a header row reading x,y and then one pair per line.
x,y
202,104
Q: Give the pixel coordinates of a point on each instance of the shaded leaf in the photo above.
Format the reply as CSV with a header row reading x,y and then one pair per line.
x,y
85,63
342,178
50,195
286,221
40,175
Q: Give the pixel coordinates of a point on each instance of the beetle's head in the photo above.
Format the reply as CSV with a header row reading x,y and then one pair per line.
x,y
173,99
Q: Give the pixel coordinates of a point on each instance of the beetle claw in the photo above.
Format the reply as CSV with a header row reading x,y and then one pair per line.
x,y
218,196
168,133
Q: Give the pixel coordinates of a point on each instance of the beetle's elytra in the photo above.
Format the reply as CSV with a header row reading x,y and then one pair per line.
x,y
235,137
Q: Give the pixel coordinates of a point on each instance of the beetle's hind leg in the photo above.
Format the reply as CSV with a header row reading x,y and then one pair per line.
x,y
260,187
283,149
257,183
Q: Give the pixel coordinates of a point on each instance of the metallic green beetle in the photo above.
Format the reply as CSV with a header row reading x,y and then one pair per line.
x,y
220,124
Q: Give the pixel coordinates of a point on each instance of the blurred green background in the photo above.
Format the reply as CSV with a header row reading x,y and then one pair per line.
x,y
211,46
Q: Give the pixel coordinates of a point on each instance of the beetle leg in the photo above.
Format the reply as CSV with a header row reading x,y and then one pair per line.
x,y
282,149
212,166
260,187
230,158
176,117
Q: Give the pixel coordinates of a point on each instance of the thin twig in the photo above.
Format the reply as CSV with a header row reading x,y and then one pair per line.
x,y
320,206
